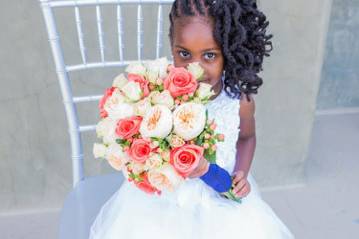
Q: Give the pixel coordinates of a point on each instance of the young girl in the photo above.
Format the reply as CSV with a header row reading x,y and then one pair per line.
x,y
228,38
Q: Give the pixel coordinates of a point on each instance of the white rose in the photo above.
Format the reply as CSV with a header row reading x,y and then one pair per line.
x,y
163,98
175,141
116,157
156,69
154,161
99,150
157,122
204,91
196,70
164,178
136,68
189,120
142,106
116,107
137,168
106,129
132,90
121,111
119,81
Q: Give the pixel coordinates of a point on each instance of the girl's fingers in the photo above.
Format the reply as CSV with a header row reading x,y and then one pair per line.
x,y
244,191
238,176
239,186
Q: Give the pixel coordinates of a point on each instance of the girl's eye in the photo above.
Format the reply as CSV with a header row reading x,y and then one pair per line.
x,y
183,54
210,55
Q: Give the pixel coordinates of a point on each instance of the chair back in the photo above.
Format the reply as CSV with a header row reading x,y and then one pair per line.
x,y
62,69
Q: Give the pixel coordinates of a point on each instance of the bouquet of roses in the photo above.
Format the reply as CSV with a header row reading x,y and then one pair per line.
x,y
154,125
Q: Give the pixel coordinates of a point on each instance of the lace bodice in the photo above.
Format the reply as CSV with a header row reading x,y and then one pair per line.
x,y
225,111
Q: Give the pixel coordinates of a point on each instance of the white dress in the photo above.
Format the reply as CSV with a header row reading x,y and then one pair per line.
x,y
194,211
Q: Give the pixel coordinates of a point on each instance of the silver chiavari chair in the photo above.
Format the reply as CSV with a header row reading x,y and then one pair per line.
x,y
89,193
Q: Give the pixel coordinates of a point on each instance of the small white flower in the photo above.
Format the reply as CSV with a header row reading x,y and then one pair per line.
x,y
163,98
116,157
121,111
119,81
136,68
154,161
132,91
137,168
157,122
175,141
106,129
196,70
189,120
116,107
99,150
156,69
164,178
204,91
142,106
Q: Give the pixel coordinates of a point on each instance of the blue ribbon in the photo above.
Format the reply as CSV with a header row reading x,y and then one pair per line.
x,y
217,178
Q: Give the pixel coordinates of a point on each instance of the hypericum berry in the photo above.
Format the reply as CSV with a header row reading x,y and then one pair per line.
x,y
213,126
151,86
207,136
206,145
214,147
220,137
185,98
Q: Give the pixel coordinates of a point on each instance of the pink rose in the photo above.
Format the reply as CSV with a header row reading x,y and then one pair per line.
x,y
186,158
145,185
108,93
128,127
180,82
140,150
144,84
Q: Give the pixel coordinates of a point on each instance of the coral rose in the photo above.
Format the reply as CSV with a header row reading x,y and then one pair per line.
x,y
128,127
186,158
103,100
140,150
140,80
146,186
180,82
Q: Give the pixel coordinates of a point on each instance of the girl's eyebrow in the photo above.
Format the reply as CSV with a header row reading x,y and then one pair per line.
x,y
209,49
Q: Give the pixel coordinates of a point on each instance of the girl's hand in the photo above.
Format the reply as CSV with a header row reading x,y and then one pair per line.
x,y
201,169
240,184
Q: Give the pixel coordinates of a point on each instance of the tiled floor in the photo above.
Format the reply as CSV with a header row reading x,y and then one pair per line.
x,y
326,207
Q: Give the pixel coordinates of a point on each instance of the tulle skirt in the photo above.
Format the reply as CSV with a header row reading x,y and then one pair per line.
x,y
194,211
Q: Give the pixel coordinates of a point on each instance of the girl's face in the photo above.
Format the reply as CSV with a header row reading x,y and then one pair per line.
x,y
193,41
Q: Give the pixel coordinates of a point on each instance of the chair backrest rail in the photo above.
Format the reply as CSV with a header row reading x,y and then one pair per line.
x,y
120,31
103,2
84,128
80,99
159,31
93,65
139,32
80,35
100,32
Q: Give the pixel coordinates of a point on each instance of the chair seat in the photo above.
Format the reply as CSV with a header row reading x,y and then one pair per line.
x,y
84,202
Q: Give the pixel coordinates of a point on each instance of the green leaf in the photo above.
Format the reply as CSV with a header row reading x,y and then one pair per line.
x,y
211,157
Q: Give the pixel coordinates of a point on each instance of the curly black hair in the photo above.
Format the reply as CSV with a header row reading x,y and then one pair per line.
x,y
240,30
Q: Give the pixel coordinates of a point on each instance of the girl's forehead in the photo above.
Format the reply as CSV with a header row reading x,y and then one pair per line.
x,y
194,32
